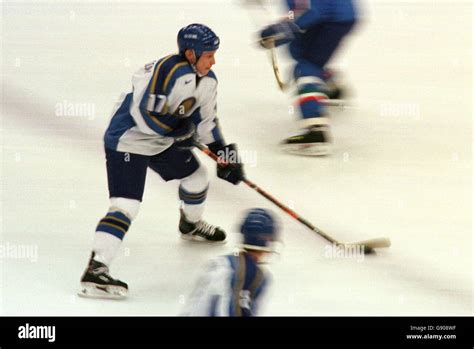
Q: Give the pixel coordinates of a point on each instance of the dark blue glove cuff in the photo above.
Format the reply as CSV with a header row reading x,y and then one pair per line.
x,y
216,146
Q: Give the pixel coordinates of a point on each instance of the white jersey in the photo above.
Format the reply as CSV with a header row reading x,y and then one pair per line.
x,y
231,286
164,92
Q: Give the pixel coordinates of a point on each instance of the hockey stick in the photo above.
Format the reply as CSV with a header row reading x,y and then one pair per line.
x,y
282,85
368,246
258,5
276,70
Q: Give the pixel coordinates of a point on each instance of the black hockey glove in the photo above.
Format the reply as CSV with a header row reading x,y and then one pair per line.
x,y
232,170
184,134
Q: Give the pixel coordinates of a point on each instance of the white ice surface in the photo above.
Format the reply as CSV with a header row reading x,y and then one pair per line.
x,y
406,176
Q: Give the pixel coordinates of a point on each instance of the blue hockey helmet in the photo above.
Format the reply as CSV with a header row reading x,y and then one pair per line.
x,y
259,229
197,37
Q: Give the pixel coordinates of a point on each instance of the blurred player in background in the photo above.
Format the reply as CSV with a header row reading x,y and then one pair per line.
x,y
172,104
233,285
314,30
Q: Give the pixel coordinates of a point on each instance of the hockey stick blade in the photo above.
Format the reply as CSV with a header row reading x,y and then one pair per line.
x,y
369,245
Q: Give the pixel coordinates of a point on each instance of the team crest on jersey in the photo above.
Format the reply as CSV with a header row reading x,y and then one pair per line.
x,y
185,106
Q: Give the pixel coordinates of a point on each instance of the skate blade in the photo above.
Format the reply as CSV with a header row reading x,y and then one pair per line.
x,y
308,149
91,290
194,238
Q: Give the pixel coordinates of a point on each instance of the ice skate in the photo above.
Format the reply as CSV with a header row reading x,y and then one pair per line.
x,y
201,231
97,283
314,142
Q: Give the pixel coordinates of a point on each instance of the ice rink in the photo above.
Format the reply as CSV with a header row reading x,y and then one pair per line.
x,y
401,165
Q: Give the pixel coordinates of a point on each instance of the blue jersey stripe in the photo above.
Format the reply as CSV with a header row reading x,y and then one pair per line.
x,y
121,122
247,283
166,72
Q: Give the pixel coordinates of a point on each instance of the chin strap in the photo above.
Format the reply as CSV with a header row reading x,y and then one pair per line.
x,y
194,65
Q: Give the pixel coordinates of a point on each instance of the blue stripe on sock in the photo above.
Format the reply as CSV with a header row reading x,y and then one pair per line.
x,y
311,108
192,198
115,223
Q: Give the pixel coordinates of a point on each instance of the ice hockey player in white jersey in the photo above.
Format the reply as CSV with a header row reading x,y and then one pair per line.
x,y
172,104
233,285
